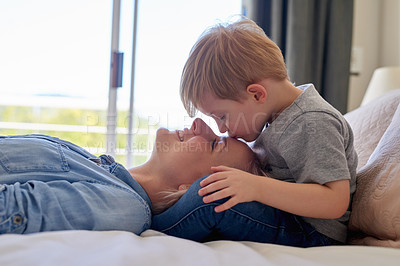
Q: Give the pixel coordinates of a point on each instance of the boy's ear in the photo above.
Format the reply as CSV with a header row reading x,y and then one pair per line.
x,y
257,92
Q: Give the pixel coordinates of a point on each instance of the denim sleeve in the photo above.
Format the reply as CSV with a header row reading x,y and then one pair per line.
x,y
37,206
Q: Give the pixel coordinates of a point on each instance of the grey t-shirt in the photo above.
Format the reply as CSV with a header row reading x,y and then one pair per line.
x,y
311,142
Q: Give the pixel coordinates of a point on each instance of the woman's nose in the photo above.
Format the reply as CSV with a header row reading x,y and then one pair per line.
x,y
200,128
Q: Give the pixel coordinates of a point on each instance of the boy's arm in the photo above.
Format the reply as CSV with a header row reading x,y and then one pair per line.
x,y
328,201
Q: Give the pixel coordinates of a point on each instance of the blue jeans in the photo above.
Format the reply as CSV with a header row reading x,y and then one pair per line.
x,y
193,219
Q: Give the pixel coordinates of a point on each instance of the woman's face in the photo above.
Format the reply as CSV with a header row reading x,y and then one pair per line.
x,y
186,155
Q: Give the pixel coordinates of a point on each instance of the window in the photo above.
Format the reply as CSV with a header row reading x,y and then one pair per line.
x,y
167,30
55,58
54,69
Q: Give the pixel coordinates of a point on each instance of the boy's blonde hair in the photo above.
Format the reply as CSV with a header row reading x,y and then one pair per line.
x,y
228,58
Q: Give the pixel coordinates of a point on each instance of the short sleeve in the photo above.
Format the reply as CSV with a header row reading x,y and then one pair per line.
x,y
313,147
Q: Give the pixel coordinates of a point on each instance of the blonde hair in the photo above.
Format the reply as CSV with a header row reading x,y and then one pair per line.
x,y
226,59
170,197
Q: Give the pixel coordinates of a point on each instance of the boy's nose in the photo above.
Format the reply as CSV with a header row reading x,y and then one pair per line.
x,y
200,128
221,126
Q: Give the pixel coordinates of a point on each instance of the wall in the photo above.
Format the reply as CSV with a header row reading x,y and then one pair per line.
x,y
390,34
376,43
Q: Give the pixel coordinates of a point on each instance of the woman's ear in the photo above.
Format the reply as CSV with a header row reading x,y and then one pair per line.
x,y
184,187
257,92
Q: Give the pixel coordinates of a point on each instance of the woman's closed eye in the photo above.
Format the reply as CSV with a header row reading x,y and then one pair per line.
x,y
218,142
213,144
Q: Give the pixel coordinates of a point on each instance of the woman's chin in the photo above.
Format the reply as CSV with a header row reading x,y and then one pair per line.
x,y
160,133
162,130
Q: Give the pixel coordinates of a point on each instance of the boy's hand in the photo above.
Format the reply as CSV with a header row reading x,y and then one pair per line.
x,y
226,182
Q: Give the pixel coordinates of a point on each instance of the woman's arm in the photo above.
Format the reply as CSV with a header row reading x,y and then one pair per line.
x,y
37,206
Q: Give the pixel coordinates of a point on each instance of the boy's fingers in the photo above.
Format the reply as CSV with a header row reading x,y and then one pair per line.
x,y
211,188
221,194
210,179
225,206
206,181
219,168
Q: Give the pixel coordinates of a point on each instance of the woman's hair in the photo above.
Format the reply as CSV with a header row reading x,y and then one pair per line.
x,y
226,59
170,197
173,195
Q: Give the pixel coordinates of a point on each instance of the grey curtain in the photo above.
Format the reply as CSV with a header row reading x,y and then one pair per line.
x,y
315,38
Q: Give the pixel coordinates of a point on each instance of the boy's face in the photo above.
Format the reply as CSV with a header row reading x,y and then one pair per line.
x,y
240,119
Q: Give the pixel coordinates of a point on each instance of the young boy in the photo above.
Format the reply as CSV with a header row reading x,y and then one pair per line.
x,y
237,75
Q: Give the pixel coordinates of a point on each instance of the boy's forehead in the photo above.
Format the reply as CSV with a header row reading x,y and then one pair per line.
x,y
207,104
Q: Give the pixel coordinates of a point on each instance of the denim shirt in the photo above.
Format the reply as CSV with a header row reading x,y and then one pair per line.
x,y
48,184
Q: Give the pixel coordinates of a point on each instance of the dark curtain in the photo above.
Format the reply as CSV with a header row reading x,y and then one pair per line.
x,y
315,39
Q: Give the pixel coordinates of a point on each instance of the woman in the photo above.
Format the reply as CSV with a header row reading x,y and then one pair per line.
x,y
49,184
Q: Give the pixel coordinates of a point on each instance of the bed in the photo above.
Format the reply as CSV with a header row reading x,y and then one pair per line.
x,y
374,224
152,248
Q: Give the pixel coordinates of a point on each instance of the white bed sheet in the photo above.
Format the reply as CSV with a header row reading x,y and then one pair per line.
x,y
118,248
